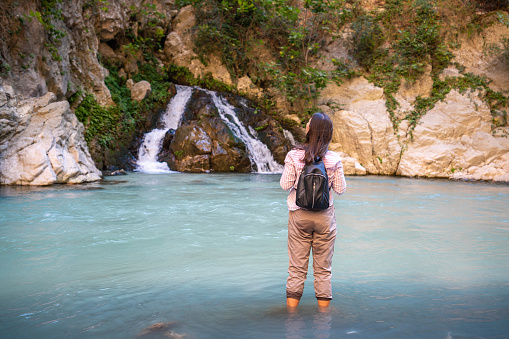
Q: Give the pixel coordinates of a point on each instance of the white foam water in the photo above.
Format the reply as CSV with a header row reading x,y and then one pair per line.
x,y
258,153
152,141
289,136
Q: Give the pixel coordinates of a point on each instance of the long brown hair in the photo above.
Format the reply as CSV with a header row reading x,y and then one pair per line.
x,y
317,138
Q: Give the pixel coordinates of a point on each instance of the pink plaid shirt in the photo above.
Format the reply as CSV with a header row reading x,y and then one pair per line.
x,y
293,167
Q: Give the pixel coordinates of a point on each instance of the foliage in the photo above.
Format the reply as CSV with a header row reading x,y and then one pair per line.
x,y
366,38
110,124
292,33
413,31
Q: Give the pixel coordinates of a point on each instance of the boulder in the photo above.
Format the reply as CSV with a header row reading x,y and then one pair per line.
x,y
140,90
454,140
129,84
47,146
363,128
350,165
207,146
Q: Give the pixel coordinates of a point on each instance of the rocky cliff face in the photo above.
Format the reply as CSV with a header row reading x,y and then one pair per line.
x,y
456,139
41,141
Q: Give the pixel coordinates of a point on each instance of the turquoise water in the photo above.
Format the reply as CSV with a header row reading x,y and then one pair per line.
x,y
207,255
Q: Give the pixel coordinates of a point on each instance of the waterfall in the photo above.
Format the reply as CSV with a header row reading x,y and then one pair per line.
x,y
289,136
258,153
152,141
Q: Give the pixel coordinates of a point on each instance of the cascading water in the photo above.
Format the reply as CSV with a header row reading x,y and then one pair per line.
x,y
152,142
259,154
289,136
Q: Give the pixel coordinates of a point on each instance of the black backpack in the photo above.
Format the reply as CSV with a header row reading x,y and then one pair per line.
x,y
313,187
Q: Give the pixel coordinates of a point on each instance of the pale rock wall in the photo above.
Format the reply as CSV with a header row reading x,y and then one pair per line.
x,y
362,126
42,143
453,140
455,135
478,58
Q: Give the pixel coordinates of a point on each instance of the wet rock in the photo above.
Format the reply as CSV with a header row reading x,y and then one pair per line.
x,y
164,328
114,173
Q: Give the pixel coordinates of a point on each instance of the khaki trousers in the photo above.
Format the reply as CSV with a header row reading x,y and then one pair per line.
x,y
308,231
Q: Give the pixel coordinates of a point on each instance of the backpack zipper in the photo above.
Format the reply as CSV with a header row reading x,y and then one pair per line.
x,y
314,189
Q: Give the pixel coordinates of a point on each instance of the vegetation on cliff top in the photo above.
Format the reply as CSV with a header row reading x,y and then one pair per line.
x,y
397,41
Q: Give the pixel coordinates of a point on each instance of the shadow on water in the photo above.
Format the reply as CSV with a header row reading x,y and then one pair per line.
x,y
17,190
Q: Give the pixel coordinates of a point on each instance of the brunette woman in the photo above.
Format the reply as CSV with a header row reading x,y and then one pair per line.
x,y
308,230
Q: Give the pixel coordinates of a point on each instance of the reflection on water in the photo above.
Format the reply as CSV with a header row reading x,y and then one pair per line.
x,y
205,256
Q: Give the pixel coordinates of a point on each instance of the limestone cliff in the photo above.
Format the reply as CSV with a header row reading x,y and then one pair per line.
x,y
47,60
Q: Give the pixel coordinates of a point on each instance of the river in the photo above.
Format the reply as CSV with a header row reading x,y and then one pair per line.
x,y
206,254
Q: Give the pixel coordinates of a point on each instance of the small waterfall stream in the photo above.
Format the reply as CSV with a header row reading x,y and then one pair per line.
x,y
152,142
258,153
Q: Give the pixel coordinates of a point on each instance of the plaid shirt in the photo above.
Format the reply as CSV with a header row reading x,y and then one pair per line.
x,y
294,166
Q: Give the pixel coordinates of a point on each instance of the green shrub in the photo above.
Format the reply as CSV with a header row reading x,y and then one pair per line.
x,y
366,38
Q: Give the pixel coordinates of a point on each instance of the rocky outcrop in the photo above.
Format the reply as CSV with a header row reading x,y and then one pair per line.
x,y
455,140
205,143
179,49
363,129
42,143
482,54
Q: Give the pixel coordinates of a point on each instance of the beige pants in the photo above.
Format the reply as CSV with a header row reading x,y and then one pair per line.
x,y
310,230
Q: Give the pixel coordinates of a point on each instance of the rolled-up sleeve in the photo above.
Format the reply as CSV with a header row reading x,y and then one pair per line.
x,y
338,181
288,178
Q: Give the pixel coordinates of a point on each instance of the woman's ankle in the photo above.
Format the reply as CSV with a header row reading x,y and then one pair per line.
x,y
323,303
291,302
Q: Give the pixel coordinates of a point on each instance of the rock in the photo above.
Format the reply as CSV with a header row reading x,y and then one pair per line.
x,y
472,54
245,85
350,165
192,140
111,22
419,88
458,145
107,53
129,84
363,129
114,173
164,328
140,90
123,74
47,147
179,49
197,163
450,71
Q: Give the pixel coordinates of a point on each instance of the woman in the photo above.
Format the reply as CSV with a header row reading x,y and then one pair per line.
x,y
307,229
